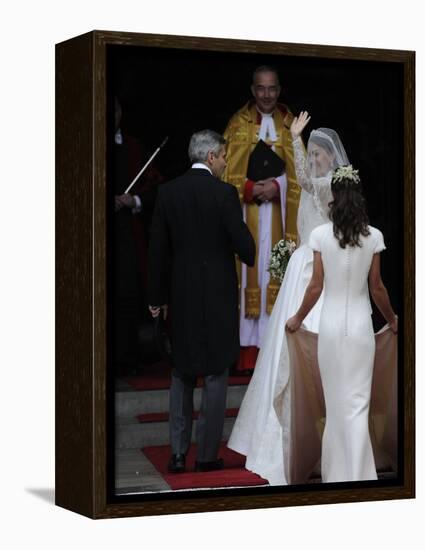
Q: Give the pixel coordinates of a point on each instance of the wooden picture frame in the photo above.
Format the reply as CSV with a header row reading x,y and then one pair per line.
x,y
83,438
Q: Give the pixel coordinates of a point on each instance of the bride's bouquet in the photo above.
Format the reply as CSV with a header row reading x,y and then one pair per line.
x,y
281,252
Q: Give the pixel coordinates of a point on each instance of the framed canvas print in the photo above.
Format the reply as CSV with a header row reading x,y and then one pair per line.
x,y
140,121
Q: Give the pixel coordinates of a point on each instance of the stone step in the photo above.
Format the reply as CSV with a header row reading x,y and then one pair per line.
x,y
131,434
136,474
130,403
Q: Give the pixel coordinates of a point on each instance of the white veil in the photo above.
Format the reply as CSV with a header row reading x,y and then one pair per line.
x,y
329,140
316,188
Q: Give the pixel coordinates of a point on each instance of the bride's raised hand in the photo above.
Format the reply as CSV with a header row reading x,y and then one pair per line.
x,y
299,123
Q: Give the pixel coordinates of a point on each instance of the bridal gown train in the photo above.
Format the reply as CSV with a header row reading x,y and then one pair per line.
x,y
262,427
261,432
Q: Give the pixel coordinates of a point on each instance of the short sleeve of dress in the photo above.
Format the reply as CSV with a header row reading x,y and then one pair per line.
x,y
314,241
379,242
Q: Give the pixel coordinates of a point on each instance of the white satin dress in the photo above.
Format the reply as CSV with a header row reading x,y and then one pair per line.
x,y
346,353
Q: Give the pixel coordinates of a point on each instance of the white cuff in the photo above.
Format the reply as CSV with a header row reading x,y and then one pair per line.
x,y
138,207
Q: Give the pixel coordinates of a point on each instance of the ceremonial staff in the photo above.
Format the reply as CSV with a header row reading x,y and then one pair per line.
x,y
146,165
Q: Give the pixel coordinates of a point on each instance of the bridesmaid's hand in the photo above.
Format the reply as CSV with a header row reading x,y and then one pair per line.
x,y
293,323
394,325
299,123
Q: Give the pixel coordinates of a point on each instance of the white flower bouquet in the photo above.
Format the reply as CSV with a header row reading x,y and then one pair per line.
x,y
281,252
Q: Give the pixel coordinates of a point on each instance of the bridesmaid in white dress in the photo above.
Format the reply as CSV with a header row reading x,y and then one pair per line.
x,y
262,428
346,257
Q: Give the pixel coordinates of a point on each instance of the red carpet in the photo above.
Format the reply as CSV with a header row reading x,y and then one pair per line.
x,y
157,377
247,358
164,416
233,474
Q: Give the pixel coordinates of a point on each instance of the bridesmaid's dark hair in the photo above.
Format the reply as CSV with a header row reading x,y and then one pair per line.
x,y
348,208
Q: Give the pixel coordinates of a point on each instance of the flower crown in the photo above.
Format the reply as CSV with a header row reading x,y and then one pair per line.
x,y
346,173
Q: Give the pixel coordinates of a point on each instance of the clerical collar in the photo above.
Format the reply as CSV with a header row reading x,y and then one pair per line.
x,y
267,128
264,114
201,165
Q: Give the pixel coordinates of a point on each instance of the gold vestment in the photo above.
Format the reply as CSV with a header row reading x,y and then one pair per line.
x,y
241,136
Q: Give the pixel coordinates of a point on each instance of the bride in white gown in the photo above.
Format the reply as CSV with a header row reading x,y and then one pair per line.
x,y
346,257
262,427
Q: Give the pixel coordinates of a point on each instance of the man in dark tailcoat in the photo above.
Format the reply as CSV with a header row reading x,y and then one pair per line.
x,y
197,229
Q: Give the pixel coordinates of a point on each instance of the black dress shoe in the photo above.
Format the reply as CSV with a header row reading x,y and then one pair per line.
x,y
209,466
177,464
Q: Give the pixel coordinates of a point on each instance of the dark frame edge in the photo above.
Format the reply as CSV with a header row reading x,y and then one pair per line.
x,y
99,262
250,46
409,272
234,503
74,276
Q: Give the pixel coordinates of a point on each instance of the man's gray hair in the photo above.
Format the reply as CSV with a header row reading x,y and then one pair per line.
x,y
201,143
265,69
